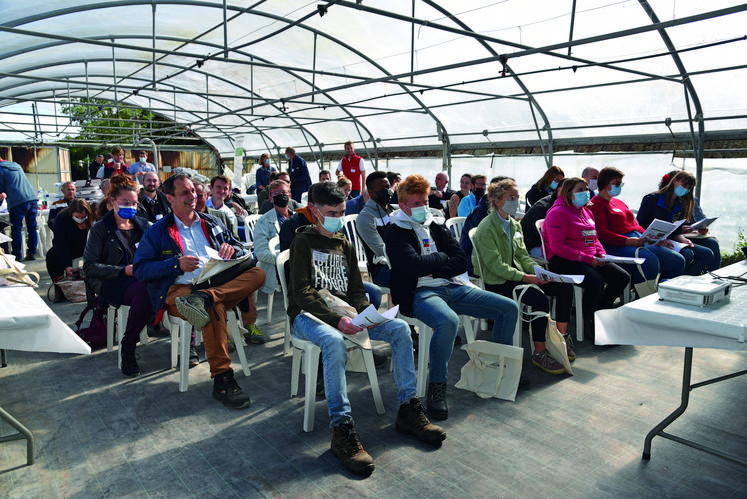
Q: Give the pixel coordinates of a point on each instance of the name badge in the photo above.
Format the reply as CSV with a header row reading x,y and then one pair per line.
x,y
159,216
589,233
352,170
618,210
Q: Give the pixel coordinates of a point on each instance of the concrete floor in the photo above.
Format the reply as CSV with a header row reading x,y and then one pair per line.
x,y
99,434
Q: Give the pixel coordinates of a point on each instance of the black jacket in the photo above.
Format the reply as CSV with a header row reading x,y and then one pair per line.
x,y
403,250
105,256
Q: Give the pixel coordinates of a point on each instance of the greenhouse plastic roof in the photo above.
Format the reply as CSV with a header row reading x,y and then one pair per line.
x,y
390,74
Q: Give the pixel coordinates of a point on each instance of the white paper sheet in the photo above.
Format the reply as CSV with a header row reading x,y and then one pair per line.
x,y
548,276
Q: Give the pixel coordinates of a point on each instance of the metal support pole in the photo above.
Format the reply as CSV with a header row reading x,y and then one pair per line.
x,y
23,434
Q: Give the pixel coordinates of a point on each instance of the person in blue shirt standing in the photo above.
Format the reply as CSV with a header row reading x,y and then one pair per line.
x,y
263,172
141,167
22,204
299,174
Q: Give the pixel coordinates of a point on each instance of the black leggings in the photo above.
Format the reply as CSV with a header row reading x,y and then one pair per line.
x,y
596,295
540,302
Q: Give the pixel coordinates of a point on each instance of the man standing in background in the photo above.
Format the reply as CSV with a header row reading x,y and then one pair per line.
x,y
141,167
300,181
353,167
22,204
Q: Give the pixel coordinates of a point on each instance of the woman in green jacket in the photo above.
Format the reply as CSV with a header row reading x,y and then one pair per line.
x,y
506,264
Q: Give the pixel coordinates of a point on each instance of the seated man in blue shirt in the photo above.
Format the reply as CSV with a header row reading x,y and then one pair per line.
x,y
468,203
171,255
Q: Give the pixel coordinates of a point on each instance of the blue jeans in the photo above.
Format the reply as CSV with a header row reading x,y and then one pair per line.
x,y
440,308
334,353
712,244
658,260
699,258
374,294
382,278
17,214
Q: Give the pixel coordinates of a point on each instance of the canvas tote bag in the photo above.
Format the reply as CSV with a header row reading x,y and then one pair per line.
x,y
493,370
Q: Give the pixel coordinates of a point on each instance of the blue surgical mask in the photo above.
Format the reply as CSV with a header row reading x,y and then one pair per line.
x,y
615,190
126,212
581,198
286,156
419,213
680,191
333,224
553,185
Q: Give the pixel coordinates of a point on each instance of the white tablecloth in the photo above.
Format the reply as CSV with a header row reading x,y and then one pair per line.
x,y
649,321
28,324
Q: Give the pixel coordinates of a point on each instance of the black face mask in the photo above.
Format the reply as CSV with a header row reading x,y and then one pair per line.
x,y
383,196
280,200
479,192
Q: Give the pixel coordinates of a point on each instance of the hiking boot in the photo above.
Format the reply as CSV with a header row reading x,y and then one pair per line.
x,y
436,399
347,447
569,347
228,392
29,258
194,358
411,420
254,335
546,363
194,308
129,365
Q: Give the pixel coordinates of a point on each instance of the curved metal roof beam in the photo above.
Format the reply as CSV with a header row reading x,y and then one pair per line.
x,y
532,101
102,5
698,145
33,80
220,78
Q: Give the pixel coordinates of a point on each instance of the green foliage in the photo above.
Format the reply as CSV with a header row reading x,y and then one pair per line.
x,y
100,122
736,255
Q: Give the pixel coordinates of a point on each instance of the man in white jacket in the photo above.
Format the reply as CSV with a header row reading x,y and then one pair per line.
x,y
267,227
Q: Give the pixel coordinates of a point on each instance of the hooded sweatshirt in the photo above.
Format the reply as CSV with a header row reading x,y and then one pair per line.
x,y
319,262
571,233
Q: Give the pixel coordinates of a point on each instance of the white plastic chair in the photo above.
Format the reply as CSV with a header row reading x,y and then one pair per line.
x,y
351,233
249,222
455,225
181,337
425,334
118,316
578,291
308,352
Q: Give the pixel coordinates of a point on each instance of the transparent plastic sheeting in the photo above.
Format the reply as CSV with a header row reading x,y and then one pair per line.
x,y
372,76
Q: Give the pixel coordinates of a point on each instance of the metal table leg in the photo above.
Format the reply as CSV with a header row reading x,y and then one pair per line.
x,y
3,360
23,433
658,430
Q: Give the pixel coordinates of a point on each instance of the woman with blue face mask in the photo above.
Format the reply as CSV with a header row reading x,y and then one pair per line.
x,y
620,233
501,259
108,257
672,203
545,185
572,247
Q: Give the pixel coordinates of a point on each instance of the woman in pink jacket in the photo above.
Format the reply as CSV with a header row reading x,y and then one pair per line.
x,y
572,247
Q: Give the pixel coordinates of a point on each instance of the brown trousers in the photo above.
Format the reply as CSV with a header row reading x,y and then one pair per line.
x,y
225,297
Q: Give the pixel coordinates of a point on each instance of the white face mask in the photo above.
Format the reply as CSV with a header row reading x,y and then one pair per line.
x,y
143,160
593,184
79,220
